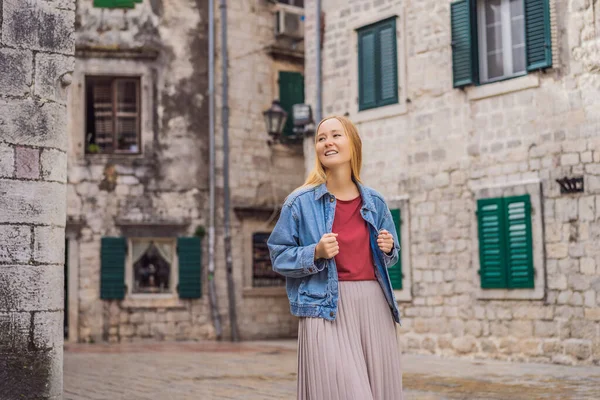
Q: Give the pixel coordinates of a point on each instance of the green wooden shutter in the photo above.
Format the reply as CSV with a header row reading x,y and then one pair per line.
x,y
367,83
124,3
505,242
395,270
388,63
112,267
463,43
492,253
189,253
291,91
116,3
537,34
104,3
519,244
377,65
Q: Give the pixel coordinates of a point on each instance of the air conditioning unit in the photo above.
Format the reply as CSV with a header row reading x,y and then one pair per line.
x,y
289,22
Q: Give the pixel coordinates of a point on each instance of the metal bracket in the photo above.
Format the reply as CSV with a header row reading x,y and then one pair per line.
x,y
571,185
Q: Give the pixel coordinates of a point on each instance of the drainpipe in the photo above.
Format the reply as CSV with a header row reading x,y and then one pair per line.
x,y
318,110
225,122
214,308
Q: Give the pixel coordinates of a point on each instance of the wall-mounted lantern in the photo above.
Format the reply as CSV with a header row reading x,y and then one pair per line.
x,y
275,118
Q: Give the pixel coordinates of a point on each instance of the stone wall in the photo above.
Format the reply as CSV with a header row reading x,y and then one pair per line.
x,y
36,54
447,147
164,191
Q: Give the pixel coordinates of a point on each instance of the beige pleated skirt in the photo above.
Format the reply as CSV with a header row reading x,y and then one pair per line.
x,y
355,357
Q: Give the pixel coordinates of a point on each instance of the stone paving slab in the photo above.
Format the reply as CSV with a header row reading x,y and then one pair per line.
x,y
267,370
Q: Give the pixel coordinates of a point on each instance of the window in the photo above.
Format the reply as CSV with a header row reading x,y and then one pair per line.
x,y
291,91
116,3
152,263
377,65
262,271
297,3
505,243
112,115
150,266
499,39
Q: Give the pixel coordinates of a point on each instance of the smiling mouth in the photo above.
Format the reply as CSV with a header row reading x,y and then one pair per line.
x,y
330,153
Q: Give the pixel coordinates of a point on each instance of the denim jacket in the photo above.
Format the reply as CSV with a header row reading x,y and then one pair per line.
x,y
312,286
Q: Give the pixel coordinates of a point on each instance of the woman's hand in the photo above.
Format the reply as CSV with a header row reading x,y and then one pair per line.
x,y
327,247
385,241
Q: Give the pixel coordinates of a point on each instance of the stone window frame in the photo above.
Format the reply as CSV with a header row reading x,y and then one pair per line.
x,y
252,283
391,110
117,67
534,189
529,81
403,203
151,300
252,220
97,80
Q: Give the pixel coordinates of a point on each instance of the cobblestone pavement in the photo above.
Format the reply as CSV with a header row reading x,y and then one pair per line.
x,y
267,370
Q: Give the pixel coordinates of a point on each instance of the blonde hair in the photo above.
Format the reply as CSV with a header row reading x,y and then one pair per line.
x,y
318,175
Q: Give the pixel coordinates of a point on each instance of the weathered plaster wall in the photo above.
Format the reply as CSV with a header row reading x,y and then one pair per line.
x,y
36,55
450,143
163,191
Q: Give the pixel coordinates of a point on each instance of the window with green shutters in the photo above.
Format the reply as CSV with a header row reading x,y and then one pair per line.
x,y
377,65
494,40
291,91
150,267
395,271
116,3
505,243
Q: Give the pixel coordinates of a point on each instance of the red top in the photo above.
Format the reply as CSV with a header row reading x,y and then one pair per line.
x,y
355,259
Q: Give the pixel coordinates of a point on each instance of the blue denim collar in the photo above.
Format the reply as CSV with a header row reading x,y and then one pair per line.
x,y
321,190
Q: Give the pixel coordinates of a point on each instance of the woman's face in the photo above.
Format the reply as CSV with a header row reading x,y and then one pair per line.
x,y
333,145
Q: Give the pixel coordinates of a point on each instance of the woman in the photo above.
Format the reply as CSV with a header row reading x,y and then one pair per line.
x,y
333,241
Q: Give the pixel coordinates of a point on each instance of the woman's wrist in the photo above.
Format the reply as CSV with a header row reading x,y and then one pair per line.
x,y
317,256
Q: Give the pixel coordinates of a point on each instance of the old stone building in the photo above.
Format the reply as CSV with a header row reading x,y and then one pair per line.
x,y
138,167
476,110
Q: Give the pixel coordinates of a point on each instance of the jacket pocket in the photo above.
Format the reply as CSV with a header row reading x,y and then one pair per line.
x,y
312,289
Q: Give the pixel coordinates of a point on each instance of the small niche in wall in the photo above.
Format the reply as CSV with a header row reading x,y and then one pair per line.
x,y
152,262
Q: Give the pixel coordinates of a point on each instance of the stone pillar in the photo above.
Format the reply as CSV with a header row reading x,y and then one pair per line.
x,y
36,59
